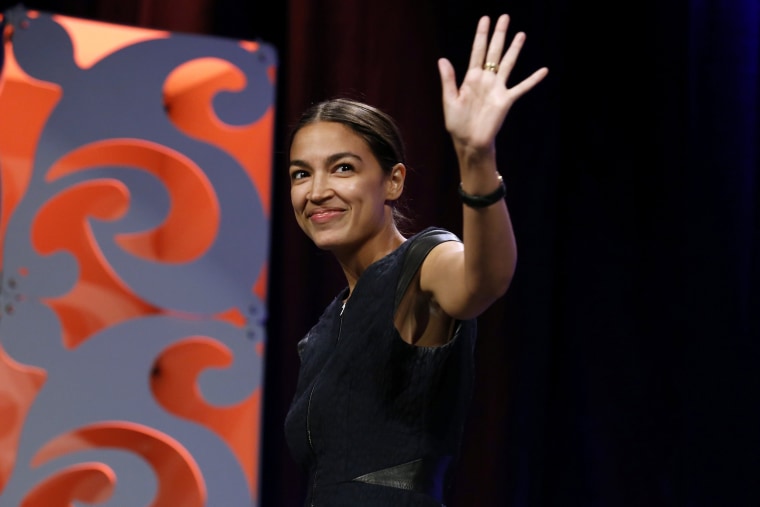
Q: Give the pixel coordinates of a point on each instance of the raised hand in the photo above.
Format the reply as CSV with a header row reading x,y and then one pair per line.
x,y
475,111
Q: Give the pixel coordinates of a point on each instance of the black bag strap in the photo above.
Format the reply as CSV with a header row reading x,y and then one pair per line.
x,y
416,253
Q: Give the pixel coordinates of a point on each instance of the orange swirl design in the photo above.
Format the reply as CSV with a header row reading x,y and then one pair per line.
x,y
174,384
179,479
99,299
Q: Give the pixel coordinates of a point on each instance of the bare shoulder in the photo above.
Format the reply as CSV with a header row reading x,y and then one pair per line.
x,y
440,265
444,278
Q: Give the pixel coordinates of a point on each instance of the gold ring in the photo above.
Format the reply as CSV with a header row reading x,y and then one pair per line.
x,y
493,67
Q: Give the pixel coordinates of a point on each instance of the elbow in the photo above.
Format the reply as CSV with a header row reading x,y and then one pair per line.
x,y
502,281
486,293
499,286
503,286
484,288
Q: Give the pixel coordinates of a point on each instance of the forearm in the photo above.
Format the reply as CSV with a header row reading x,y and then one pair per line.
x,y
490,251
467,284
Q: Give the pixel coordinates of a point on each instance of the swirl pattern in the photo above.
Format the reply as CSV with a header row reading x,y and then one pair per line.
x,y
135,184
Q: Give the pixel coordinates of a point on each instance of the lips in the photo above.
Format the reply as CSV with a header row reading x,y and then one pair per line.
x,y
324,215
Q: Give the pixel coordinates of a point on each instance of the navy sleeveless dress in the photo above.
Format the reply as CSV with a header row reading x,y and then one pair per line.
x,y
377,421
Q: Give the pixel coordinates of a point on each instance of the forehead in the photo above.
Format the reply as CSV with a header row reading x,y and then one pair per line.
x,y
323,138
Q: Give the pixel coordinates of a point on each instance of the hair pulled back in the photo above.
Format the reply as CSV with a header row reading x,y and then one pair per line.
x,y
377,128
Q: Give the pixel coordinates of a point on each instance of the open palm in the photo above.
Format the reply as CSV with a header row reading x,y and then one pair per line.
x,y
476,110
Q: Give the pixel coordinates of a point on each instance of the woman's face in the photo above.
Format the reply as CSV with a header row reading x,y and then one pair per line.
x,y
337,187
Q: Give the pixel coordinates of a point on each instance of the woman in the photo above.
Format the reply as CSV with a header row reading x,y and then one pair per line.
x,y
386,373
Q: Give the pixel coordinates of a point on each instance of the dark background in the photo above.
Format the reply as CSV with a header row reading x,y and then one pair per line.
x,y
621,367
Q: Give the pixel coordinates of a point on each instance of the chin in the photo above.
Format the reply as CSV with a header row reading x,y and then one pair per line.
x,y
326,240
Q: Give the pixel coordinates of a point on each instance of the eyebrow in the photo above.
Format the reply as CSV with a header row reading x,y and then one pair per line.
x,y
329,160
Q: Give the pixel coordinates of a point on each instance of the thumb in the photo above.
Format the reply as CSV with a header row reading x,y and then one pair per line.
x,y
448,79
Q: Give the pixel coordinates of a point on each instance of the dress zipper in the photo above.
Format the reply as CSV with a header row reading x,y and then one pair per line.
x,y
308,412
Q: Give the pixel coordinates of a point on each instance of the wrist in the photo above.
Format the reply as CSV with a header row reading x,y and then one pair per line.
x,y
483,200
469,155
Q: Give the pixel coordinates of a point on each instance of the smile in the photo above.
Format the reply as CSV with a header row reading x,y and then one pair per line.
x,y
324,215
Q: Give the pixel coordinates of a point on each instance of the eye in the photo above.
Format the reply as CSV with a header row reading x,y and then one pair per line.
x,y
298,174
344,168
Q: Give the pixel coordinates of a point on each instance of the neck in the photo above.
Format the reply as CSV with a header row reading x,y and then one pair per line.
x,y
355,261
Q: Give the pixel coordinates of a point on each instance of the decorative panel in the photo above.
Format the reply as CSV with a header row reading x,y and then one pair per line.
x,y
135,175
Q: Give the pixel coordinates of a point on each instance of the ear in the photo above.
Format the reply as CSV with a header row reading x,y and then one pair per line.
x,y
395,183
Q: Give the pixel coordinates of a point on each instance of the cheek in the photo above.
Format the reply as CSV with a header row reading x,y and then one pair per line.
x,y
366,190
296,197
373,196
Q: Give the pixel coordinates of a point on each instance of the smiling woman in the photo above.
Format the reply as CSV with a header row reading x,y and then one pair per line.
x,y
340,192
386,373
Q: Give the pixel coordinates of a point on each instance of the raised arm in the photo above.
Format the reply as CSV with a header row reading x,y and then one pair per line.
x,y
465,279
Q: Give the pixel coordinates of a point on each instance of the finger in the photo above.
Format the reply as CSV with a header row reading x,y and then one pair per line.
x,y
510,57
448,79
496,47
529,82
479,44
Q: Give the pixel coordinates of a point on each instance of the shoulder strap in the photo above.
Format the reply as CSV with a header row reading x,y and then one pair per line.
x,y
416,253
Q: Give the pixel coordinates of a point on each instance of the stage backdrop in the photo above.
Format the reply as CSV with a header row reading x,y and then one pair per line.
x,y
134,238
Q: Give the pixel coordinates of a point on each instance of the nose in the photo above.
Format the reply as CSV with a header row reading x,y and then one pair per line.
x,y
321,189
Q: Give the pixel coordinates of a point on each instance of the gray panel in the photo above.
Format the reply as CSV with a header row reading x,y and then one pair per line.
x,y
107,377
